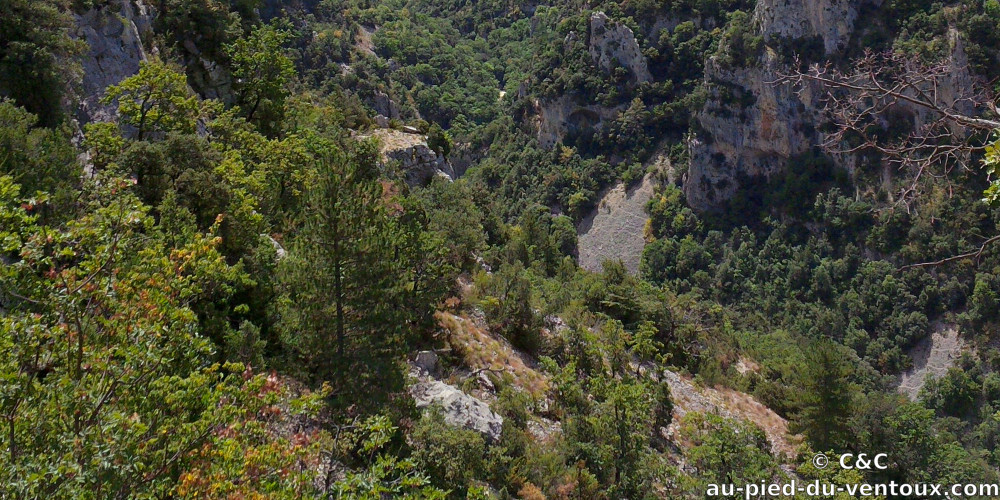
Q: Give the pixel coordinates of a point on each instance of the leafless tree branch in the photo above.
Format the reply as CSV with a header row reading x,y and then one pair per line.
x,y
917,117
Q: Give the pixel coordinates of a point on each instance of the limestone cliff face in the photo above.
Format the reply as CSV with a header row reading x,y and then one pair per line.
x,y
751,127
114,34
563,116
612,42
610,45
831,20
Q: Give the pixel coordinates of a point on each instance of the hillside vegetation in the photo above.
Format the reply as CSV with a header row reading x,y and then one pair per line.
x,y
328,249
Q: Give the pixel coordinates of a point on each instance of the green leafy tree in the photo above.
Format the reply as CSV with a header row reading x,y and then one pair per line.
x,y
439,140
262,73
157,99
991,163
507,303
107,388
727,451
39,159
381,474
452,457
207,24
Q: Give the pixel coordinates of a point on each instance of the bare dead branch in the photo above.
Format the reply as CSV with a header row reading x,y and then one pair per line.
x,y
922,118
974,254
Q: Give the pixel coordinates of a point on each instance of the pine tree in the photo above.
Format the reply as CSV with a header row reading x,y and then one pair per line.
x,y
825,398
359,278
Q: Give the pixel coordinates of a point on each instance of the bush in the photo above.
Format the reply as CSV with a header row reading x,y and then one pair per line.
x,y
439,140
451,456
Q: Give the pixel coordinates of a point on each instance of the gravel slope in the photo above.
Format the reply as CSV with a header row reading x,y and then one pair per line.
x,y
614,230
931,356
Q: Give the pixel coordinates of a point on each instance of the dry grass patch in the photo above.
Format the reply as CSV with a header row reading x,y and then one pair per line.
x,y
478,349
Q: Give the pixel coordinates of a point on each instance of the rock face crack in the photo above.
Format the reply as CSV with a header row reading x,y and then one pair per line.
x,y
614,230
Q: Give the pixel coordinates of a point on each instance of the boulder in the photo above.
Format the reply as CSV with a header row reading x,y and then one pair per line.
x,y
459,409
426,362
385,106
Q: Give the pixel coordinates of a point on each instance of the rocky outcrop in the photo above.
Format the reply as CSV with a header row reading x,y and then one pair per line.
x,y
614,229
830,20
564,116
751,127
114,35
385,106
210,79
418,162
459,409
426,363
612,42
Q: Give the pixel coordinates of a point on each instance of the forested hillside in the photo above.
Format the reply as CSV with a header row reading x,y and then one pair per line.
x,y
332,248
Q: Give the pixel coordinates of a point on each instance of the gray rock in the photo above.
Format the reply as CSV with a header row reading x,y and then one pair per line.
x,y
408,149
459,409
386,106
543,429
114,36
485,383
752,126
830,20
426,362
614,229
211,79
279,250
420,164
563,115
756,140
612,42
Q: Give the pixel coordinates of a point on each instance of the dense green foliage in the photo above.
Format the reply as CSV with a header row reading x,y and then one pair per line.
x,y
35,55
221,304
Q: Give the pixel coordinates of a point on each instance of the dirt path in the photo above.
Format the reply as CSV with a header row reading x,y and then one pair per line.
x,y
931,356
614,230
